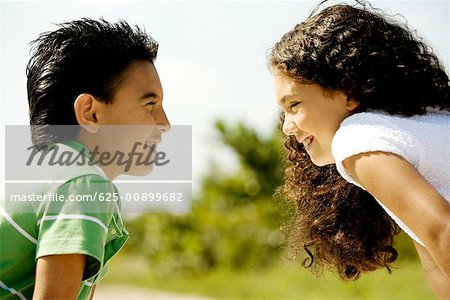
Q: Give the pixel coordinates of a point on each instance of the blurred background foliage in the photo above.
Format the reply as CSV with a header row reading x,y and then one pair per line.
x,y
234,228
234,222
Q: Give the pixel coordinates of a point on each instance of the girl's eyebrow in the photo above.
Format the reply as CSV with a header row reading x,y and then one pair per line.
x,y
286,97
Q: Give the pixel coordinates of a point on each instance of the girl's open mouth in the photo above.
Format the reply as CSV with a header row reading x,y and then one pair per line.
x,y
307,142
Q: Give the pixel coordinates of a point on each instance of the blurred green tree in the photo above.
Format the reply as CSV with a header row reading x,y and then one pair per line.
x,y
234,221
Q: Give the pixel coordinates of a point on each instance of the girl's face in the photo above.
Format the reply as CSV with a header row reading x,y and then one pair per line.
x,y
312,114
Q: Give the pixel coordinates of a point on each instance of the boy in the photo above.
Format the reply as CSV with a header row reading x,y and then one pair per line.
x,y
89,74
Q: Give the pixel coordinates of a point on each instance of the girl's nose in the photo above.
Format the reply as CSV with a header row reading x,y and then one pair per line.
x,y
288,125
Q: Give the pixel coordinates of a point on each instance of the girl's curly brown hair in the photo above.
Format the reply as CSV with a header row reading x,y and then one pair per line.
x,y
384,66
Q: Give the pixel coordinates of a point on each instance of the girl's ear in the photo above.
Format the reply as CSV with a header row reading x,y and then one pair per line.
x,y
84,108
352,104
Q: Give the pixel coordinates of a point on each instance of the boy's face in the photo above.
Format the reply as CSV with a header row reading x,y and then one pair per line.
x,y
137,99
136,114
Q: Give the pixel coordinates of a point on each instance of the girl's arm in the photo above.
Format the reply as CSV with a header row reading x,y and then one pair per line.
x,y
401,188
438,282
59,276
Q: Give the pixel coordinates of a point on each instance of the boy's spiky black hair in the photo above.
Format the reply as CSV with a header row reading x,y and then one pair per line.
x,y
82,56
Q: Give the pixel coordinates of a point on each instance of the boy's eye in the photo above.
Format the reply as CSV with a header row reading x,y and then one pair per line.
x,y
151,103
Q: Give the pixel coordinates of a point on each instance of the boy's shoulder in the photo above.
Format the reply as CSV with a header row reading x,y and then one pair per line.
x,y
65,161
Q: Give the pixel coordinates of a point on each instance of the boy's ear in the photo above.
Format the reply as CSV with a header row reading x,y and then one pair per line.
x,y
84,108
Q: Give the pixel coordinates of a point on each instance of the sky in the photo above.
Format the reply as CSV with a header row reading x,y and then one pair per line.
x,y
212,58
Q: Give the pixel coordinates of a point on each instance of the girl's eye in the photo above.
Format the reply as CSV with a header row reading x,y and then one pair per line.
x,y
294,104
151,103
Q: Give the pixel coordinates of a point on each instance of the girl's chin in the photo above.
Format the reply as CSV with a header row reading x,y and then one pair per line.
x,y
320,160
321,163
317,162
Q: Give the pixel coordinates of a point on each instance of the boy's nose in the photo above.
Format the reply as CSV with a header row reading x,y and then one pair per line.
x,y
163,123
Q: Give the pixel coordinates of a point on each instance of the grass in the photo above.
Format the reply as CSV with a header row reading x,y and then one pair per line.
x,y
283,281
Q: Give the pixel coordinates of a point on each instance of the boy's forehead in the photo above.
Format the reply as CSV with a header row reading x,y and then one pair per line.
x,y
141,79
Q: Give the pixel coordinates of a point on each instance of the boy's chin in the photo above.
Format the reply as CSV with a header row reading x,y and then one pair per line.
x,y
139,170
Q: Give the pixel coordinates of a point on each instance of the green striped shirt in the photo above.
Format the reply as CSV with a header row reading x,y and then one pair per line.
x,y
32,229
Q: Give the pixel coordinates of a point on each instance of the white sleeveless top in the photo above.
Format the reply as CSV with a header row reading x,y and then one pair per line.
x,y
424,141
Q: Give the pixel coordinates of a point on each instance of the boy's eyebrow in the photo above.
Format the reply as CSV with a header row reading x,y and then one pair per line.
x,y
150,95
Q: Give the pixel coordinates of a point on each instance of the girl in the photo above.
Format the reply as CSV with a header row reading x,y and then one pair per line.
x,y
366,112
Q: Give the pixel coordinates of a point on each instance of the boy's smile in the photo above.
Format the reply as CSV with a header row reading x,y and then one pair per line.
x,y
312,114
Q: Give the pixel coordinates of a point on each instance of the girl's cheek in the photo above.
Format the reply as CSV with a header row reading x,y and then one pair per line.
x,y
298,122
302,121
